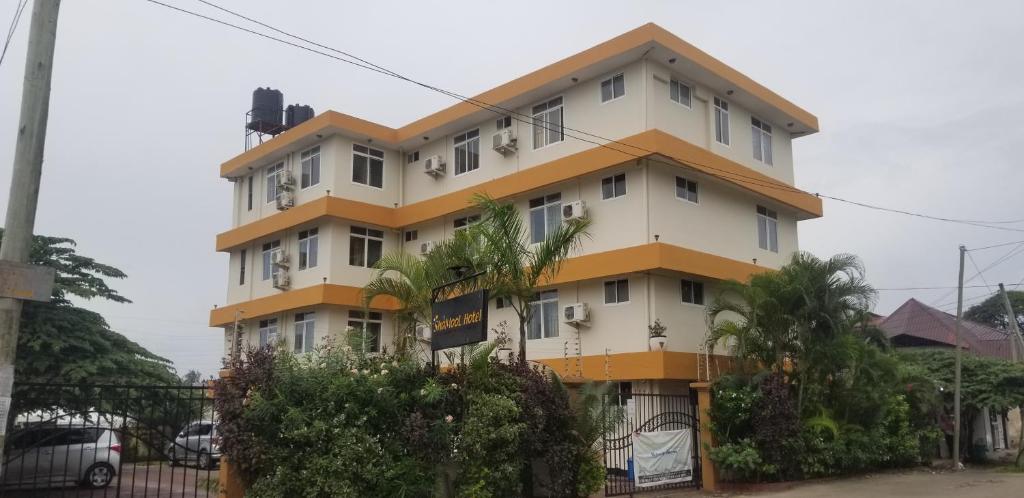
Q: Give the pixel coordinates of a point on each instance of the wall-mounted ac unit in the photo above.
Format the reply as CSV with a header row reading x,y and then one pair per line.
x,y
423,333
427,246
573,210
279,258
576,313
285,179
504,142
282,280
433,166
285,199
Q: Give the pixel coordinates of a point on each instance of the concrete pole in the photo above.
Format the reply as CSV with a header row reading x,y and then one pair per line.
x,y
956,381
28,167
1016,341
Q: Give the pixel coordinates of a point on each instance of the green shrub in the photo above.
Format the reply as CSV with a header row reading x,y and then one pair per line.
x,y
740,461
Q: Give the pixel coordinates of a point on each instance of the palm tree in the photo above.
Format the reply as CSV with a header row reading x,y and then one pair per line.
x,y
515,267
411,281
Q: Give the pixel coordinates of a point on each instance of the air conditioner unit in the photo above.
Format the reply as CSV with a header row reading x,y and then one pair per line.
x,y
504,142
427,246
423,333
279,258
281,280
576,313
573,210
285,179
433,166
285,199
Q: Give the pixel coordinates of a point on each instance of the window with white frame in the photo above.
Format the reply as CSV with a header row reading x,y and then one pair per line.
x,y
613,186
622,393
366,324
721,121
412,157
241,266
305,332
502,302
271,180
686,189
613,88
545,216
465,221
616,291
411,235
547,123
504,122
543,315
692,291
269,268
679,92
767,229
367,166
365,246
268,332
309,242
467,152
310,164
762,133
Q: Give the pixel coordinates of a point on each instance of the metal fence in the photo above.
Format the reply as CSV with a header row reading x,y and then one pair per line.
x,y
67,440
647,413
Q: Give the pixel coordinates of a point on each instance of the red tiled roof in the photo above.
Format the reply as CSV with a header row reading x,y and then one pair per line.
x,y
915,319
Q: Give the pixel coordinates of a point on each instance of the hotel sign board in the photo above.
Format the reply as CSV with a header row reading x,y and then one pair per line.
x,y
459,321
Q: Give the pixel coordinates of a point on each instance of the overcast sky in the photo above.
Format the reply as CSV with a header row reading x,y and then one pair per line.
x,y
920,109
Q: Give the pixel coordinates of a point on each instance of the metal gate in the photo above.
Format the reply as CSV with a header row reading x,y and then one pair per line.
x,y
71,440
647,413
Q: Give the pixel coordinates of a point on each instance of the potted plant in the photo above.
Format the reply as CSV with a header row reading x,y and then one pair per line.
x,y
503,342
656,334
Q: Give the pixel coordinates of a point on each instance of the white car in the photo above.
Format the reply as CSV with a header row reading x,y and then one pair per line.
x,y
197,443
61,455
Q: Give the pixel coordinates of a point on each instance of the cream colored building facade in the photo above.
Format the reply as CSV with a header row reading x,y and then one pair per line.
x,y
683,165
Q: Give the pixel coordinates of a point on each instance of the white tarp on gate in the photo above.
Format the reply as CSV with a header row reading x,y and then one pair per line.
x,y
662,457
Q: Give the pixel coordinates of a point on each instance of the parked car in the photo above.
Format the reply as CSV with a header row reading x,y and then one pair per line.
x,y
65,455
197,443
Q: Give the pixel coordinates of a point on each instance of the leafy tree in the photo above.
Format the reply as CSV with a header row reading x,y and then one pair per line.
x,y
62,343
992,311
516,268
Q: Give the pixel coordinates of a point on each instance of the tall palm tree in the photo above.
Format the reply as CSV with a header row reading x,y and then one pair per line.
x,y
515,267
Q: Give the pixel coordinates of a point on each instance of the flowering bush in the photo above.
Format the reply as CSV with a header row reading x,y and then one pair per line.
x,y
339,423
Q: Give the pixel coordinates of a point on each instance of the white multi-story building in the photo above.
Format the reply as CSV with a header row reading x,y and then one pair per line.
x,y
695,187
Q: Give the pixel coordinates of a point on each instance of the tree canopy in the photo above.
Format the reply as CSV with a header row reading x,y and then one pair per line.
x,y
59,342
992,312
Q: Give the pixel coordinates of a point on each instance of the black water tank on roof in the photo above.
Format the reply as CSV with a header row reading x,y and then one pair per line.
x,y
297,114
267,105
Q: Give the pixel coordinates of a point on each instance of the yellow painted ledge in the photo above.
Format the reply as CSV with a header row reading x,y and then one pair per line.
x,y
341,295
645,365
648,143
642,258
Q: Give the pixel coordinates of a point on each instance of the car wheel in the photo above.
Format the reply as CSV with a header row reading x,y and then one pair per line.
x,y
204,461
99,475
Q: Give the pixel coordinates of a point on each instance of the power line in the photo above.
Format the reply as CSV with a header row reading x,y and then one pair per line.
x,y
1011,253
729,175
980,274
13,27
932,288
997,245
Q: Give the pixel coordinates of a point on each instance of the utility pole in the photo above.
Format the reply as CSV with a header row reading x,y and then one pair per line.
x,y
1016,341
28,167
956,381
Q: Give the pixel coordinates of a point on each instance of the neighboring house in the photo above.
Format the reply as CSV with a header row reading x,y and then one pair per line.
x,y
916,325
709,198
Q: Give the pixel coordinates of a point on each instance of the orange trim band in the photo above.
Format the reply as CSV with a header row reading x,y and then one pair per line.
x,y
631,40
559,170
341,295
645,365
642,258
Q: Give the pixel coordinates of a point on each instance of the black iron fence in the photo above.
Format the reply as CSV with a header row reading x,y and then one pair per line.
x,y
67,440
648,413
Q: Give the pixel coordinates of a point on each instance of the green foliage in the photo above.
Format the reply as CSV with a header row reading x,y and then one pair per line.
x,y
341,423
60,342
992,311
985,382
740,461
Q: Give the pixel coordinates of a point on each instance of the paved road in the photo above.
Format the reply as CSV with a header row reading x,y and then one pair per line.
x,y
137,481
923,483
